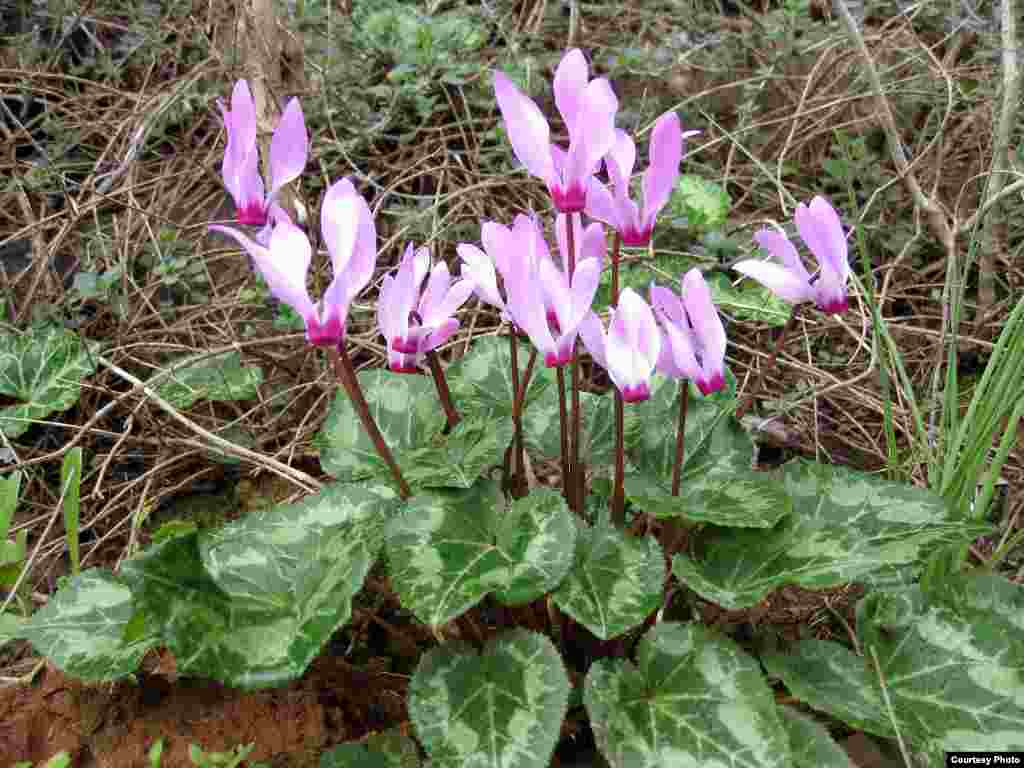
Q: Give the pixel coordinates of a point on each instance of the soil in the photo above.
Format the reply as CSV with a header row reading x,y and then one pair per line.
x,y
113,725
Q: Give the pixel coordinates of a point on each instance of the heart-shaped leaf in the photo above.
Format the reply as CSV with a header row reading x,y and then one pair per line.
x,y
846,526
252,603
82,628
456,460
616,580
483,376
717,484
44,368
500,709
447,550
219,378
406,411
952,667
542,427
811,746
390,749
692,698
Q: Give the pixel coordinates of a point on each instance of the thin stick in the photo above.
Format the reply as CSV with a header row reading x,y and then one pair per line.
x,y
677,468
888,706
443,393
347,375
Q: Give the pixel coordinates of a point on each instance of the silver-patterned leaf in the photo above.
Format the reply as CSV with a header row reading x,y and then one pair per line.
x,y
406,410
829,677
692,699
252,603
218,378
810,744
542,427
447,550
42,367
953,666
457,459
82,628
483,376
717,483
500,709
390,749
616,580
846,526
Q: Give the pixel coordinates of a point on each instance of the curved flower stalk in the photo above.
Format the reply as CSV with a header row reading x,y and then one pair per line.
x,y
630,349
615,208
588,108
692,334
820,228
415,322
351,237
289,148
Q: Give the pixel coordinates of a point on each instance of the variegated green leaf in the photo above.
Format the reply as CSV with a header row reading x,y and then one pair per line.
x,y
406,411
447,550
82,628
483,376
219,378
810,744
43,368
253,602
11,627
846,526
953,667
456,460
542,427
692,699
390,749
500,709
829,677
717,483
616,580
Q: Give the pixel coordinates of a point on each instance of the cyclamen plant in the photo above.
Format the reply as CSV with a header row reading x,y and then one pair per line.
x,y
253,603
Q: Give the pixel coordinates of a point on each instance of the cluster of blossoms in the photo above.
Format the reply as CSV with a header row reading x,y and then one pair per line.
x,y
548,299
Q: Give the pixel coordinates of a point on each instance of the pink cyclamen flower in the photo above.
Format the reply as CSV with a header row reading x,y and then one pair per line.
x,y
630,349
289,147
693,337
615,207
542,299
346,224
820,228
415,322
588,108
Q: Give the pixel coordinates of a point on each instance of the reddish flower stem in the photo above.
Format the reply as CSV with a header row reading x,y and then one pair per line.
x,y
677,467
577,473
443,393
618,494
518,481
347,376
567,484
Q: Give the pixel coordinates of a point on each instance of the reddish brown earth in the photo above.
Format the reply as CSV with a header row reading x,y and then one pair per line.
x,y
113,725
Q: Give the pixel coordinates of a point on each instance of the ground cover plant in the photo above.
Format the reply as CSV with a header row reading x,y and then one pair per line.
x,y
534,396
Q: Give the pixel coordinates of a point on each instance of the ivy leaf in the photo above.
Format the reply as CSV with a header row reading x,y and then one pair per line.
x,y
692,698
703,203
717,484
846,526
220,378
952,666
456,460
810,742
447,550
616,580
44,368
252,603
406,411
82,628
390,749
500,709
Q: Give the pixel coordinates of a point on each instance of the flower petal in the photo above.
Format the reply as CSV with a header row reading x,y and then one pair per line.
x,y
596,132
633,346
289,147
284,264
819,226
782,249
620,161
707,327
779,280
600,204
666,302
592,332
526,126
595,244
478,267
571,79
666,152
